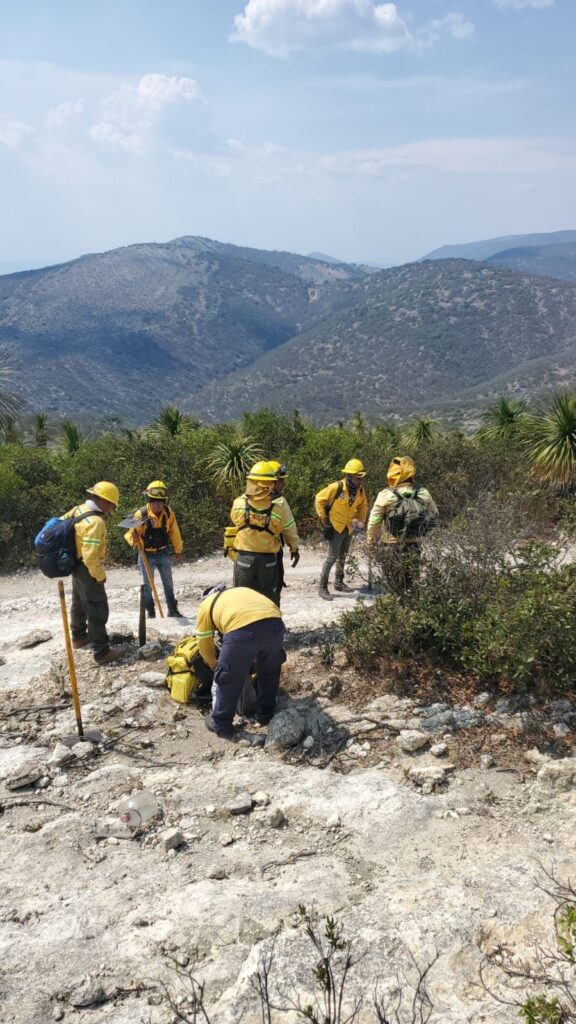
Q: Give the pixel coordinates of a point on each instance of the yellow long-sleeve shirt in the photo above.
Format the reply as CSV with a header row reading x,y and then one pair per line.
x,y
342,512
156,522
281,522
91,539
233,609
386,500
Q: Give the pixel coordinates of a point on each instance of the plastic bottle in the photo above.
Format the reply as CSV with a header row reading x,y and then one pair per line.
x,y
136,809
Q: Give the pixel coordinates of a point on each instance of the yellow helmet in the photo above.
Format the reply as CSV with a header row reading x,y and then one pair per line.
x,y
279,469
354,467
265,471
157,489
104,489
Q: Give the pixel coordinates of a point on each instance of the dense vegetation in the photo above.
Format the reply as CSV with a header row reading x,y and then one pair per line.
x,y
492,598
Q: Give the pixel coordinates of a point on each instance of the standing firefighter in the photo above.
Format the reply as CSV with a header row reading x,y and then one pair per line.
x,y
406,511
262,518
252,633
89,610
341,507
160,536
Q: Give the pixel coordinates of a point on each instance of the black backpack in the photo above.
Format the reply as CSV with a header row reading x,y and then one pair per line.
x,y
55,546
410,517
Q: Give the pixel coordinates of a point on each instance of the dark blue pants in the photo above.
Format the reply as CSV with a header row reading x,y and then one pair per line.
x,y
259,643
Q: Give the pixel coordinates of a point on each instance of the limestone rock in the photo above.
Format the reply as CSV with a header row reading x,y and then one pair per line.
x,y
555,778
286,729
240,804
260,798
25,775
88,993
60,755
439,749
37,636
432,774
275,818
150,651
171,839
411,740
154,680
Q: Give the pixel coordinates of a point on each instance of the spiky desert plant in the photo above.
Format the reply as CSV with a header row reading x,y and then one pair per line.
x,y
550,439
39,430
229,461
170,421
9,402
71,437
502,420
423,430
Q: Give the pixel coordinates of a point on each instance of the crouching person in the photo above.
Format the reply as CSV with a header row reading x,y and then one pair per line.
x,y
252,633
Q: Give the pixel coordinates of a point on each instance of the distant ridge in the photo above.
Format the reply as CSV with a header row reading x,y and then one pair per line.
x,y
484,249
545,260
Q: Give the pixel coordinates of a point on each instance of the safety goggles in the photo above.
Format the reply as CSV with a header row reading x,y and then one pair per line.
x,y
157,493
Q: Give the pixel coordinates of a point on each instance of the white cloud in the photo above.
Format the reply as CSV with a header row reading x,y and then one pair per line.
x,y
456,156
15,135
520,5
280,27
64,117
130,113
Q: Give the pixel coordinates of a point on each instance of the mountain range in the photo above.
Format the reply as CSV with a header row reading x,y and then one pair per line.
x,y
218,329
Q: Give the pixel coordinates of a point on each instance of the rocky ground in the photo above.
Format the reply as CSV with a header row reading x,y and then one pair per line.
x,y
419,820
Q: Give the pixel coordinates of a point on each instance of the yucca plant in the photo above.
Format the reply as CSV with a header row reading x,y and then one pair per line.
x,y
9,432
71,437
550,440
423,430
39,430
9,402
170,421
502,420
229,461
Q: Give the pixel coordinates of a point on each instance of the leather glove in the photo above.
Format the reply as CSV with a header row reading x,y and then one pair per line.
x,y
327,530
294,558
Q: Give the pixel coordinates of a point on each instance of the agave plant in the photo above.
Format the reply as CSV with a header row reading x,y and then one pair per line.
x,y
503,420
9,432
71,437
170,421
550,439
229,461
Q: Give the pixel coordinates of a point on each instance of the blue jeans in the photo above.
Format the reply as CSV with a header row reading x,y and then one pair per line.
x,y
259,643
158,560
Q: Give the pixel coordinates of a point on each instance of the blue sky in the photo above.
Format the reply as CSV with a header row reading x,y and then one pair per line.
x,y
367,130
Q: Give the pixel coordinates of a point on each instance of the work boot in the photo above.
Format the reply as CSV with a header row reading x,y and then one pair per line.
x,y
173,612
109,654
324,592
81,642
343,588
222,733
151,612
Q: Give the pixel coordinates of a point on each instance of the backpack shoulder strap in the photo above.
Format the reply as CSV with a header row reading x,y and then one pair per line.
x,y
218,595
85,515
339,493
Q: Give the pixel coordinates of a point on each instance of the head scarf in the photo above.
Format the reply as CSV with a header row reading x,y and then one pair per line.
x,y
401,469
259,488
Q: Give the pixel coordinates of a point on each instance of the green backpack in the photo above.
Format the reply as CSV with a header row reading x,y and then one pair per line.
x,y
410,517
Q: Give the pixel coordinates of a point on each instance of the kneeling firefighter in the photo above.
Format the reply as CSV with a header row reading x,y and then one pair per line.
x,y
252,633
341,508
160,536
262,520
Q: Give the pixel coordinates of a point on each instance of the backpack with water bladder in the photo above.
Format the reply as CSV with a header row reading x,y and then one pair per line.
x,y
188,674
55,546
410,517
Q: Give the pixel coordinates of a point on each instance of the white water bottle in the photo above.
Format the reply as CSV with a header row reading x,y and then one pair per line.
x,y
136,809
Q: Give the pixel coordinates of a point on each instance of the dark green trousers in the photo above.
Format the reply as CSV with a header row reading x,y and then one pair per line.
x,y
89,610
259,572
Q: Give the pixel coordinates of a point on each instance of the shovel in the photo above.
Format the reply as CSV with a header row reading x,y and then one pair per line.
x,y
130,523
94,736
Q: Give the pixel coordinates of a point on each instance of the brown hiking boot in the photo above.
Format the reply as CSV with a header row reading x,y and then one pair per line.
x,y
325,593
109,654
79,644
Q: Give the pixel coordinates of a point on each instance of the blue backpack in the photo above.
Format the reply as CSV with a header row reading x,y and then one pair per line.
x,y
55,546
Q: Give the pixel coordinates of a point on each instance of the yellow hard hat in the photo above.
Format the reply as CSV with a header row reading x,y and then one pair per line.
x,y
104,489
354,467
279,469
157,489
265,471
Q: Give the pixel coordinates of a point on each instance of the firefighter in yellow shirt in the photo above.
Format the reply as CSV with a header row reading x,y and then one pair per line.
x,y
341,507
161,537
262,517
89,608
253,632
402,546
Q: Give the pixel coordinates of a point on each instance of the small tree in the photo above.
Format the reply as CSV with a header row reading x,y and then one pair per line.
x,y
39,430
